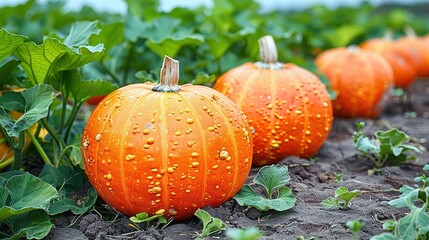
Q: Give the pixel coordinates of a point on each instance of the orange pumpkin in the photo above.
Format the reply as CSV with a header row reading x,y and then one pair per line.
x,y
362,80
420,47
288,108
400,58
165,149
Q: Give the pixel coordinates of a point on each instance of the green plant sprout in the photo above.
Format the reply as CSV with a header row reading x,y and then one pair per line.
x,y
251,233
414,225
338,177
156,220
387,146
342,198
277,196
355,226
211,225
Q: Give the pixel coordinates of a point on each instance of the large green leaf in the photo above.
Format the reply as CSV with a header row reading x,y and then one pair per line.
x,y
7,66
9,42
26,193
31,225
40,62
37,100
210,224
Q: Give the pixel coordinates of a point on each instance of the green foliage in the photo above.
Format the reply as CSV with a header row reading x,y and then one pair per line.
x,y
342,198
414,225
338,177
277,196
355,226
24,205
143,221
387,146
251,233
211,225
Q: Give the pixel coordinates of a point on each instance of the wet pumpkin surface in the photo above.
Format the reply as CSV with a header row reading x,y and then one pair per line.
x,y
311,183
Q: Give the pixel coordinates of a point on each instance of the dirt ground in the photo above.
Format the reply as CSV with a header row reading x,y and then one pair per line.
x,y
311,182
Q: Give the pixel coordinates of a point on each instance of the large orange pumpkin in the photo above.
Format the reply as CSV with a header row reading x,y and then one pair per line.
x,y
401,59
165,149
362,80
288,108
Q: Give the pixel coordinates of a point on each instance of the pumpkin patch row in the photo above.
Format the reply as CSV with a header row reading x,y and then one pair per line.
x,y
172,149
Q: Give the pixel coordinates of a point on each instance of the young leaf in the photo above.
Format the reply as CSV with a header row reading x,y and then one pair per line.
x,y
26,193
203,78
330,203
37,101
248,197
272,178
251,233
344,194
144,217
385,236
9,43
210,224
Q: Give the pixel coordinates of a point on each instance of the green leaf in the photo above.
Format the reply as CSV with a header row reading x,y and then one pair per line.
x,y
9,42
40,62
68,181
147,9
210,224
203,78
37,102
248,197
389,225
272,177
251,233
109,36
385,236
343,35
31,225
144,217
344,194
7,66
413,225
365,145
330,203
80,32
12,101
27,193
82,90
426,167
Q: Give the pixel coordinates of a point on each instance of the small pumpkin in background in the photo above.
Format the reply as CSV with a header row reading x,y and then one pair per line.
x,y
419,46
166,149
401,58
361,79
288,107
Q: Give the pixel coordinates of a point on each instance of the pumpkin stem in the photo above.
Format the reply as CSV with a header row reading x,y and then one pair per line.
x,y
169,76
409,32
353,49
388,35
268,53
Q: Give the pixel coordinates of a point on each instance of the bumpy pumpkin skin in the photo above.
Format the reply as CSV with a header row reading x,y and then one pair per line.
x,y
166,152
288,109
362,80
400,58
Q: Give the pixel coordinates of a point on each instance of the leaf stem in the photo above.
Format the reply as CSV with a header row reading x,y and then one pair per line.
x,y
52,132
110,73
18,151
127,63
39,148
71,119
63,154
64,105
6,162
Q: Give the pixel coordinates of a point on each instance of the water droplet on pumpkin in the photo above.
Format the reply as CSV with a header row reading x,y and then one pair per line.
x,y
150,140
178,133
211,129
170,170
195,164
189,120
195,154
223,154
109,176
130,157
172,211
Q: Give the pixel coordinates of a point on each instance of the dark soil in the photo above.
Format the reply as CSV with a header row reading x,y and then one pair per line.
x,y
311,181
